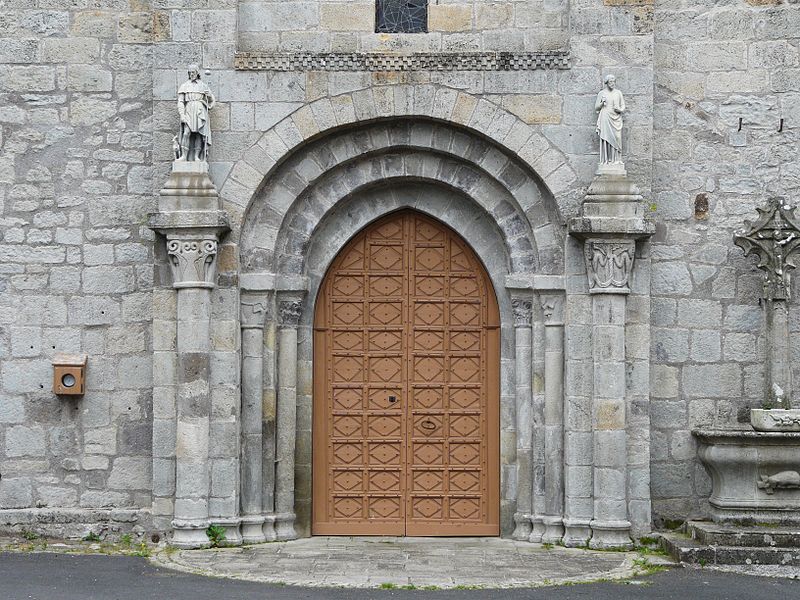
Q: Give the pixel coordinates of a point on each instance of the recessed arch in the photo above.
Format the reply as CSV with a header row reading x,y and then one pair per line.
x,y
280,220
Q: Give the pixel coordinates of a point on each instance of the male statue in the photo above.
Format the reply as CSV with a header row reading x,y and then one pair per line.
x,y
611,105
195,100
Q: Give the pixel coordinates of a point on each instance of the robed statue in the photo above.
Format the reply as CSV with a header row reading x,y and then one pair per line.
x,y
195,100
610,105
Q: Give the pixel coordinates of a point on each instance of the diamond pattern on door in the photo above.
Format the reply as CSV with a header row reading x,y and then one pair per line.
x,y
406,389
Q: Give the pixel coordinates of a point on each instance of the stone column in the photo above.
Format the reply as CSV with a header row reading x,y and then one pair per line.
x,y
612,219
254,311
522,337
289,311
189,217
552,519
192,256
610,525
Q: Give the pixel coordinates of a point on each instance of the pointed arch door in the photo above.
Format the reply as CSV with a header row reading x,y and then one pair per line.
x,y
406,386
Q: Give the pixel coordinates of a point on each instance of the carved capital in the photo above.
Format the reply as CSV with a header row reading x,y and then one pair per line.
x,y
609,263
289,312
193,262
775,239
552,309
254,312
522,312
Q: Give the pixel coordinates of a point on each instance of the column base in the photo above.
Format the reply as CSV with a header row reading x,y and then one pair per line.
x,y
553,530
611,535
233,535
253,530
576,533
269,529
522,531
190,535
284,527
537,529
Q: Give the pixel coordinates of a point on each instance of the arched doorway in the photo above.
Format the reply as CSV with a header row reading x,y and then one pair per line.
x,y
406,386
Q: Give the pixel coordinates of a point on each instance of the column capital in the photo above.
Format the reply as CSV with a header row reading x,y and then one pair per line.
x,y
552,309
523,311
289,312
254,310
192,244
609,264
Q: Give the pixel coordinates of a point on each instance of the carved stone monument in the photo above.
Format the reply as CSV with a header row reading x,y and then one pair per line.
x,y
611,221
755,473
190,219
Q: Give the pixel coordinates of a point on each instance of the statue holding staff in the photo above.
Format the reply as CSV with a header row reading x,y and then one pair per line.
x,y
610,105
195,100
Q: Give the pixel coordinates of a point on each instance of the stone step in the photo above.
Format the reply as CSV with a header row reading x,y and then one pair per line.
x,y
709,533
684,549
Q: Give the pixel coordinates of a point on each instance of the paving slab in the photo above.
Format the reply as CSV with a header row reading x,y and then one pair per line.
x,y
365,562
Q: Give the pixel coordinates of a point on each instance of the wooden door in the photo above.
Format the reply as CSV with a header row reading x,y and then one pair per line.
x,y
406,386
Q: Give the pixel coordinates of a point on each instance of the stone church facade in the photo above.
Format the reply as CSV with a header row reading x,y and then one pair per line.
x,y
208,305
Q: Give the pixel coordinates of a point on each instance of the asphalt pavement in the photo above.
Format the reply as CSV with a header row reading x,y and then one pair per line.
x,y
46,576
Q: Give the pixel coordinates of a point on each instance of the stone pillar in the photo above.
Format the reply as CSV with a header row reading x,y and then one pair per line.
x,y
610,223
610,525
254,312
192,255
552,519
289,311
522,337
189,218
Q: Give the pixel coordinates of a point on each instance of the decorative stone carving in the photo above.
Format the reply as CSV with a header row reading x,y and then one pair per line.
x,y
193,262
610,105
523,310
552,309
429,61
289,312
254,312
775,239
195,100
785,480
609,263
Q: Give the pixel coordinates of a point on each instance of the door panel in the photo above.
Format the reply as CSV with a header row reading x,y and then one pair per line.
x,y
406,390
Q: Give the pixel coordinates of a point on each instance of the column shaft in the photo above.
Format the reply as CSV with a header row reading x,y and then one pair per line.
x,y
193,415
610,525
286,421
252,383
522,337
554,433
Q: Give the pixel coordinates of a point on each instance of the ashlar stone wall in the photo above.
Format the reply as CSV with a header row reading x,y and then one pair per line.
x,y
727,74
76,182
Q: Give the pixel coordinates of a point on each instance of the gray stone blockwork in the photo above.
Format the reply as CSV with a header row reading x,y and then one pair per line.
x,y
302,159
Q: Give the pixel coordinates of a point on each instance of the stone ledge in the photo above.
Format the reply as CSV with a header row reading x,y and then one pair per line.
x,y
423,61
74,522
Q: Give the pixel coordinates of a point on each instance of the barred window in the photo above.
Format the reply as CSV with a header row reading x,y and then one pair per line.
x,y
401,16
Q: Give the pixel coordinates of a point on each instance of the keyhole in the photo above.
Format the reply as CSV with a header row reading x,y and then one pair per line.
x,y
392,399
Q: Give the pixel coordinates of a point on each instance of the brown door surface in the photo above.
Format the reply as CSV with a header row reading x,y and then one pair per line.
x,y
406,389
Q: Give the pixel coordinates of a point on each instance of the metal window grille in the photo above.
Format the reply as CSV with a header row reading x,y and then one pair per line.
x,y
401,16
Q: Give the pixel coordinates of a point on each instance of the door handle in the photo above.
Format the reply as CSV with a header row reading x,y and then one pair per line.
x,y
429,425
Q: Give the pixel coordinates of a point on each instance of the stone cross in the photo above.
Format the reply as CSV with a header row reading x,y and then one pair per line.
x,y
775,239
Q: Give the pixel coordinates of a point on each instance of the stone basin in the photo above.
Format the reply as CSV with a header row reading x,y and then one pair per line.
x,y
755,475
775,419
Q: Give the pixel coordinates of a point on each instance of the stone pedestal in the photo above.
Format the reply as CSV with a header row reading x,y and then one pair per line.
x,y
190,219
612,219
